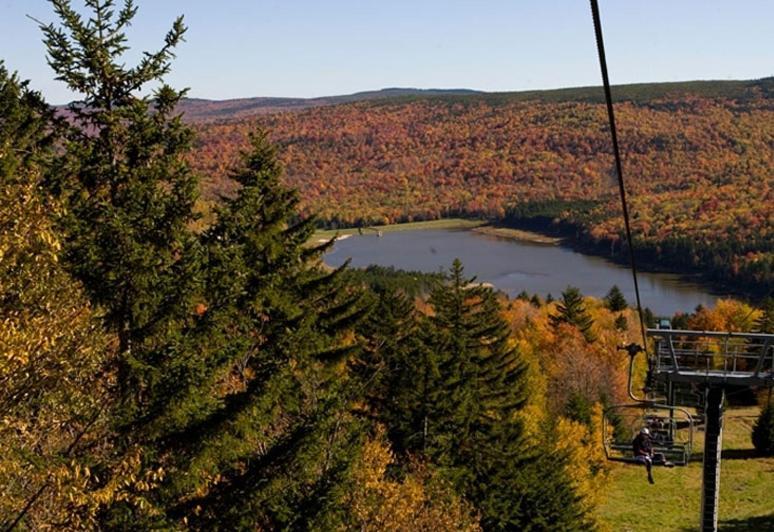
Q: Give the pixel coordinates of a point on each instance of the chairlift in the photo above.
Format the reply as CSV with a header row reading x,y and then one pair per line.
x,y
671,429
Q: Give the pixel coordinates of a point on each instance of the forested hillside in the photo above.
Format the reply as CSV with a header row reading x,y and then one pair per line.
x,y
698,160
201,110
158,372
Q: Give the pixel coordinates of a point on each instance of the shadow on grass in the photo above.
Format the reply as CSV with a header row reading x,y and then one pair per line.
x,y
739,454
751,524
729,454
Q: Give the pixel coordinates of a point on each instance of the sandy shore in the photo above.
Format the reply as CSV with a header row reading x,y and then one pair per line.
x,y
517,234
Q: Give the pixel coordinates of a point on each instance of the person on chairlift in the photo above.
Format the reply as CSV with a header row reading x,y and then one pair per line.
x,y
642,445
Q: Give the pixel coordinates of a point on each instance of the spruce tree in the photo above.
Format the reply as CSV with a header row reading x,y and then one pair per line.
x,y
471,383
650,319
763,431
765,322
615,300
390,334
128,191
229,404
269,390
573,311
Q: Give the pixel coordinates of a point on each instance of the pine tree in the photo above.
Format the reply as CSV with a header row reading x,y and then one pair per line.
x,y
615,300
472,385
270,391
231,383
572,311
763,431
765,322
128,191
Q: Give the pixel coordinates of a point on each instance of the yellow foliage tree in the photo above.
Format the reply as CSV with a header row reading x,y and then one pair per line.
x,y
53,388
417,502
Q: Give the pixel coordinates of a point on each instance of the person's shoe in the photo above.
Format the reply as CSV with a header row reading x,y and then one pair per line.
x,y
669,464
650,479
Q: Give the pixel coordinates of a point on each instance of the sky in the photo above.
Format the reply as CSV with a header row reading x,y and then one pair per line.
x,y
307,48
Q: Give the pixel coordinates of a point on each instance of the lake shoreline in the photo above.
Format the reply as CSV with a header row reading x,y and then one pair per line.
x,y
570,237
444,223
534,234
509,233
513,265
452,224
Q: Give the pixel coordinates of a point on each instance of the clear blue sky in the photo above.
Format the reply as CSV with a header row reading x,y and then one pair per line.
x,y
241,48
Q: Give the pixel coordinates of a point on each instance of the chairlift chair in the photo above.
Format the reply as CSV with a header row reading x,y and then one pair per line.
x,y
671,429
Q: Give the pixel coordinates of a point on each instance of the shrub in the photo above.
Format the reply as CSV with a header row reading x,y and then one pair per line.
x,y
763,431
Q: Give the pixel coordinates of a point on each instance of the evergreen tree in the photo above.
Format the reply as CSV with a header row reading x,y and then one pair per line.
x,y
765,322
128,191
480,373
268,392
621,323
572,311
471,385
230,342
615,300
680,320
650,319
389,334
763,431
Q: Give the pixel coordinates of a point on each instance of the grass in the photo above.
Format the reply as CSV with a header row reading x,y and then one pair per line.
x,y
673,503
448,223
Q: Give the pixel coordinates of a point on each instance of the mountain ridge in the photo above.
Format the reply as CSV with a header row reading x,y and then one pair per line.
x,y
199,110
204,110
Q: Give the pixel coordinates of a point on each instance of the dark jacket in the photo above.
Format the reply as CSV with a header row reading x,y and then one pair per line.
x,y
642,445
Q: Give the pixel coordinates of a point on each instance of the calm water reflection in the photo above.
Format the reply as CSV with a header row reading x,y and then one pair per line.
x,y
514,266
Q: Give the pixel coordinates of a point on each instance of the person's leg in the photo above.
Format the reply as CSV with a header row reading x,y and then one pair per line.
x,y
647,462
649,467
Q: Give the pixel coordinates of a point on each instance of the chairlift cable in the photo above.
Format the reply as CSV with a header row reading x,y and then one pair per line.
x,y
618,166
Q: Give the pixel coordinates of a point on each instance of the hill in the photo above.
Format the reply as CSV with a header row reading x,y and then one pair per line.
x,y
199,110
698,158
202,110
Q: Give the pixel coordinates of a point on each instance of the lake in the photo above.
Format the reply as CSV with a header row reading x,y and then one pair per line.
x,y
513,266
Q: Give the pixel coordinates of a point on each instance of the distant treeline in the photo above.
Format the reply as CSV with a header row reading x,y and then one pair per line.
x,y
715,261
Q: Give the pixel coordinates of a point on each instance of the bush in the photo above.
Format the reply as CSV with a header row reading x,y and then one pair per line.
x,y
763,431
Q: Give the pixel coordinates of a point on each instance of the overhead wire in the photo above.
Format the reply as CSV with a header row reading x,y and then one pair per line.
x,y
618,165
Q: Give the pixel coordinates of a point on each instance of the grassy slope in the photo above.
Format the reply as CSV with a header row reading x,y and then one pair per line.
x,y
673,503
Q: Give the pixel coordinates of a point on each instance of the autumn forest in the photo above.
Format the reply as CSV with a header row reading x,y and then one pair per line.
x,y
698,163
176,354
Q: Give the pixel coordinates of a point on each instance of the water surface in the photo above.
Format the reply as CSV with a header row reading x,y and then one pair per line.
x,y
513,266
